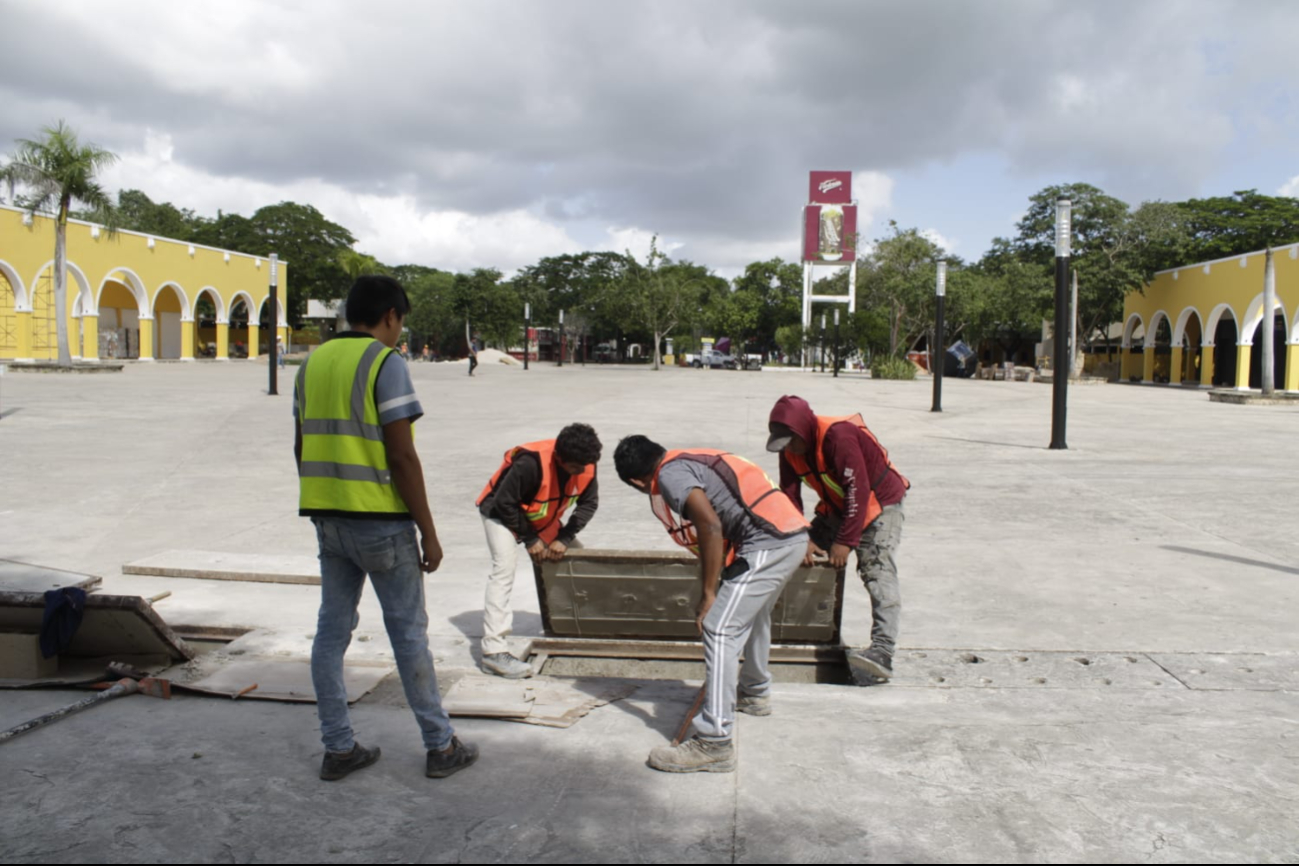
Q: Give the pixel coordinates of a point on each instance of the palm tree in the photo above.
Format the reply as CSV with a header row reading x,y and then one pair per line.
x,y
59,170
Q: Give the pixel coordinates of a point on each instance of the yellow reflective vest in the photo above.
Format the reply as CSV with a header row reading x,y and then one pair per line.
x,y
344,470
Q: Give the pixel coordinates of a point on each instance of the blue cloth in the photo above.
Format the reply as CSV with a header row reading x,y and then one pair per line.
x,y
388,552
64,609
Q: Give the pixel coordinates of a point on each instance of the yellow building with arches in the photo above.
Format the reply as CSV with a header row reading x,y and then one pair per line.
x,y
1201,324
131,295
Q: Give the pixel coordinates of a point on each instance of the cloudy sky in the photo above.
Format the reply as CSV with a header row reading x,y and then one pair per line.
x,y
466,134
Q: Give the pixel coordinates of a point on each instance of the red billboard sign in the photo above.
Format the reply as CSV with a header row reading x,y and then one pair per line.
x,y
830,233
830,187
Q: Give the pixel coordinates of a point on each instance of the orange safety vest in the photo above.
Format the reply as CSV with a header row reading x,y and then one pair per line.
x,y
548,506
751,488
826,487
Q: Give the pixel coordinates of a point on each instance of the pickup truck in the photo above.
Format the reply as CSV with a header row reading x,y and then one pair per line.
x,y
712,359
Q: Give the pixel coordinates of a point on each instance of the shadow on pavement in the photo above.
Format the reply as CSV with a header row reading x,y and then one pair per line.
x,y
1229,558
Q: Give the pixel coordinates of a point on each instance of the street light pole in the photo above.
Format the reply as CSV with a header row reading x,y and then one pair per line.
x,y
938,360
821,348
272,356
836,342
1063,316
527,326
561,339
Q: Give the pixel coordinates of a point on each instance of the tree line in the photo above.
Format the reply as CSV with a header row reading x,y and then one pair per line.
x,y
611,295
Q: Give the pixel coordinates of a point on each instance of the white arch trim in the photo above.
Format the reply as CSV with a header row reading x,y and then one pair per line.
x,y
133,284
1211,326
186,312
219,301
1254,315
83,284
1294,328
252,308
1179,333
279,302
1152,332
1130,327
22,303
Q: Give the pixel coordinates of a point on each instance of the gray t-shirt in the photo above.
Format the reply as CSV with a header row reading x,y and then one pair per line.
x,y
679,477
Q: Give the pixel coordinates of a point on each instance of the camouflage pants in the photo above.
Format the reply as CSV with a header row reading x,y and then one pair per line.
x,y
878,568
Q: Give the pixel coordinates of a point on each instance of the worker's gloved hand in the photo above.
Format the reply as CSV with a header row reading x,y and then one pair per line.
x,y
537,550
557,551
812,552
839,555
431,552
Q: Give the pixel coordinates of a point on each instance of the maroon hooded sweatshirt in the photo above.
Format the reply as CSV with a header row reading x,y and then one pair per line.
x,y
852,460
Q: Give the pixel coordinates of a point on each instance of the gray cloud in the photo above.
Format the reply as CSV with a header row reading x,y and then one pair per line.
x,y
682,117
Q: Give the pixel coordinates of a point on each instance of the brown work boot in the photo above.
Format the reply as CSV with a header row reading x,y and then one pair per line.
x,y
695,756
754,705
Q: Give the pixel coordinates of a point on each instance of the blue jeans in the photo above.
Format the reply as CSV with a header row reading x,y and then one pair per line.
x,y
388,552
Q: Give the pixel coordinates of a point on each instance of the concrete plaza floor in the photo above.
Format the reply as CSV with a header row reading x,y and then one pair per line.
x,y
1099,657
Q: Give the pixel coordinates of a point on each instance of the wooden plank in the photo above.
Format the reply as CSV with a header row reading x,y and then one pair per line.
x,y
212,565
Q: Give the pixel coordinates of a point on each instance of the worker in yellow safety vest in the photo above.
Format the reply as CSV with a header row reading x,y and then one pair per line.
x,y
362,485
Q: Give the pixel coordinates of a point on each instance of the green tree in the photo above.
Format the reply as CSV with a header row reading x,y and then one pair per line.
x,y
1115,250
488,307
898,277
775,288
662,294
432,319
137,212
1242,222
354,264
57,171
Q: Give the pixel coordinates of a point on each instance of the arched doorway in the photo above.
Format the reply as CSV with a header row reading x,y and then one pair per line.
x,y
1163,343
1192,348
9,295
1225,338
1132,361
1278,353
207,311
239,312
169,307
119,321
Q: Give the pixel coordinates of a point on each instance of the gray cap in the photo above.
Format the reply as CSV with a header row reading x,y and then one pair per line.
x,y
780,436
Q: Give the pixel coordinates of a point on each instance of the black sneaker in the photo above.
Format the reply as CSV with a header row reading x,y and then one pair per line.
x,y
870,667
338,764
440,765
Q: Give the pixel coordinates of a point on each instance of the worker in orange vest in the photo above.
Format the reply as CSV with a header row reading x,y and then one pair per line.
x,y
859,507
749,540
524,502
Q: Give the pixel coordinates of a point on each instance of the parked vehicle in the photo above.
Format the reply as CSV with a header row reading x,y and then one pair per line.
x,y
713,359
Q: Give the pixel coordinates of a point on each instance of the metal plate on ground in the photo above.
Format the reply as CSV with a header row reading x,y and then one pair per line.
x,y
24,577
652,595
211,565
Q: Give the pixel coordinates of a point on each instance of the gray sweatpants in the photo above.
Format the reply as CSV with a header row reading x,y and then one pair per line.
x,y
740,621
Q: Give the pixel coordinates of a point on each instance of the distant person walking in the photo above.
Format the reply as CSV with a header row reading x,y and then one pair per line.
x,y
473,355
362,485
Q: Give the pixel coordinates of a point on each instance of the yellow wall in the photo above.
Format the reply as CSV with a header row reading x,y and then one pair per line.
x,y
120,278
1234,284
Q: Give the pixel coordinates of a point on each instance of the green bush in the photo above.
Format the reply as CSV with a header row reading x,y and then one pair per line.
x,y
893,368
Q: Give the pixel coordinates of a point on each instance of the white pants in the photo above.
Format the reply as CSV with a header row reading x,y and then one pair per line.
x,y
498,616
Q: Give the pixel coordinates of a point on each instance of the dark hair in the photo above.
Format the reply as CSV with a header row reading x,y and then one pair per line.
x,y
636,457
372,296
577,443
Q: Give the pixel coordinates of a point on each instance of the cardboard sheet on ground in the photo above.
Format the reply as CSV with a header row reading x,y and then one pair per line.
x,y
279,680
536,701
212,565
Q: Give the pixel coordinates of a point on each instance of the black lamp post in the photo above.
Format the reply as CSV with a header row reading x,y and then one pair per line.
x,y
1063,316
527,327
273,355
937,354
561,339
821,347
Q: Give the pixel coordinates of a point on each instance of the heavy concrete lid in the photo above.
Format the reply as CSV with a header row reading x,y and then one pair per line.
x,y
652,595
122,628
25,577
